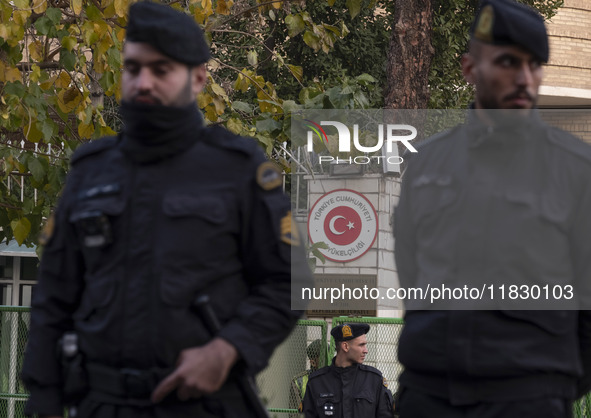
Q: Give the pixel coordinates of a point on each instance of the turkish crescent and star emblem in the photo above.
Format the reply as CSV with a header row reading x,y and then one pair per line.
x,y
344,220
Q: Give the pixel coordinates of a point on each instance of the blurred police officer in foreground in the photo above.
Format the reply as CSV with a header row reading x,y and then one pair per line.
x,y
348,388
502,196
167,211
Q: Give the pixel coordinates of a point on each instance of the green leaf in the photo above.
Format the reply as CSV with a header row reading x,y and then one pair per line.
x,y
68,60
297,71
365,78
312,40
242,106
107,81
268,125
20,228
54,15
16,88
48,128
295,24
69,42
93,13
36,168
354,7
44,25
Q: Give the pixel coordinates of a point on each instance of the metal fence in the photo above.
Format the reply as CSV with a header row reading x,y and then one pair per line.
x,y
278,383
14,327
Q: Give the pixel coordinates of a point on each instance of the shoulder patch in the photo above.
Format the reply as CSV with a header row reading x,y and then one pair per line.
x,y
269,176
289,232
93,147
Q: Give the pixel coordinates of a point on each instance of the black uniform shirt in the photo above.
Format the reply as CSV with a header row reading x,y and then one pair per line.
x,y
142,229
357,391
482,207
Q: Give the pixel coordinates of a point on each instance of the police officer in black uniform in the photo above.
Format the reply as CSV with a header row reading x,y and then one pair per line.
x,y
501,199
168,211
348,388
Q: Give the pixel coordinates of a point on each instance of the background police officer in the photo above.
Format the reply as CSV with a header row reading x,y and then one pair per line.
x,y
503,199
150,220
348,388
300,381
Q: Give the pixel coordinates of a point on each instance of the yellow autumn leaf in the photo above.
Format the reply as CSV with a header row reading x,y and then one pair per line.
x,y
35,74
220,106
36,50
120,33
223,7
76,6
203,99
2,76
13,74
39,6
21,4
219,90
121,7
85,130
277,4
20,16
67,100
47,84
203,12
4,31
211,114
63,80
32,132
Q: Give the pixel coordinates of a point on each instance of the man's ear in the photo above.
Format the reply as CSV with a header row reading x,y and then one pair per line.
x,y
198,78
345,347
468,63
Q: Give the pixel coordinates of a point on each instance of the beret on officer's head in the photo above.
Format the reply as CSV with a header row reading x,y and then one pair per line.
x,y
506,22
346,332
169,31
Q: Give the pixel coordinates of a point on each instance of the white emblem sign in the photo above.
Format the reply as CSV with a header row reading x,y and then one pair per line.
x,y
344,220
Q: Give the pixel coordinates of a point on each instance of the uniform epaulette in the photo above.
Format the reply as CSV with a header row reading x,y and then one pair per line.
x,y
370,369
432,139
319,372
570,143
93,147
222,138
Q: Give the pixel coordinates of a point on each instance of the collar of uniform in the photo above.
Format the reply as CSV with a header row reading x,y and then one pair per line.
x,y
341,370
155,132
480,133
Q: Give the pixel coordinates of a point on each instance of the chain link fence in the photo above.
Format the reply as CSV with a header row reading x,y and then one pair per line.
x,y
14,328
282,383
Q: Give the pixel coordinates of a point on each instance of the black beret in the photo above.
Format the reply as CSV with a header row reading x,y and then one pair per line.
x,y
346,332
506,22
169,31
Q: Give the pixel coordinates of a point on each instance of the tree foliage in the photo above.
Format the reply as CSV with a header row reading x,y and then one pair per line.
x,y
60,73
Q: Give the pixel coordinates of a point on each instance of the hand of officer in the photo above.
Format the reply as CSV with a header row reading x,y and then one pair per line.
x,y
199,371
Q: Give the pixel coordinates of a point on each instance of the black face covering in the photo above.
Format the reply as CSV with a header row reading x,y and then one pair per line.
x,y
155,132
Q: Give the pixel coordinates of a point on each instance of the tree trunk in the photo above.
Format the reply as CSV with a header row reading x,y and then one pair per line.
x,y
410,55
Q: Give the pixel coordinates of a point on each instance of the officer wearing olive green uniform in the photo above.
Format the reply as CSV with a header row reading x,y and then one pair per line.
x,y
168,211
501,199
347,388
299,382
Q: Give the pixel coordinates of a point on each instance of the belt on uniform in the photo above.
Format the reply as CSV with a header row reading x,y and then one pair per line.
x,y
126,383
